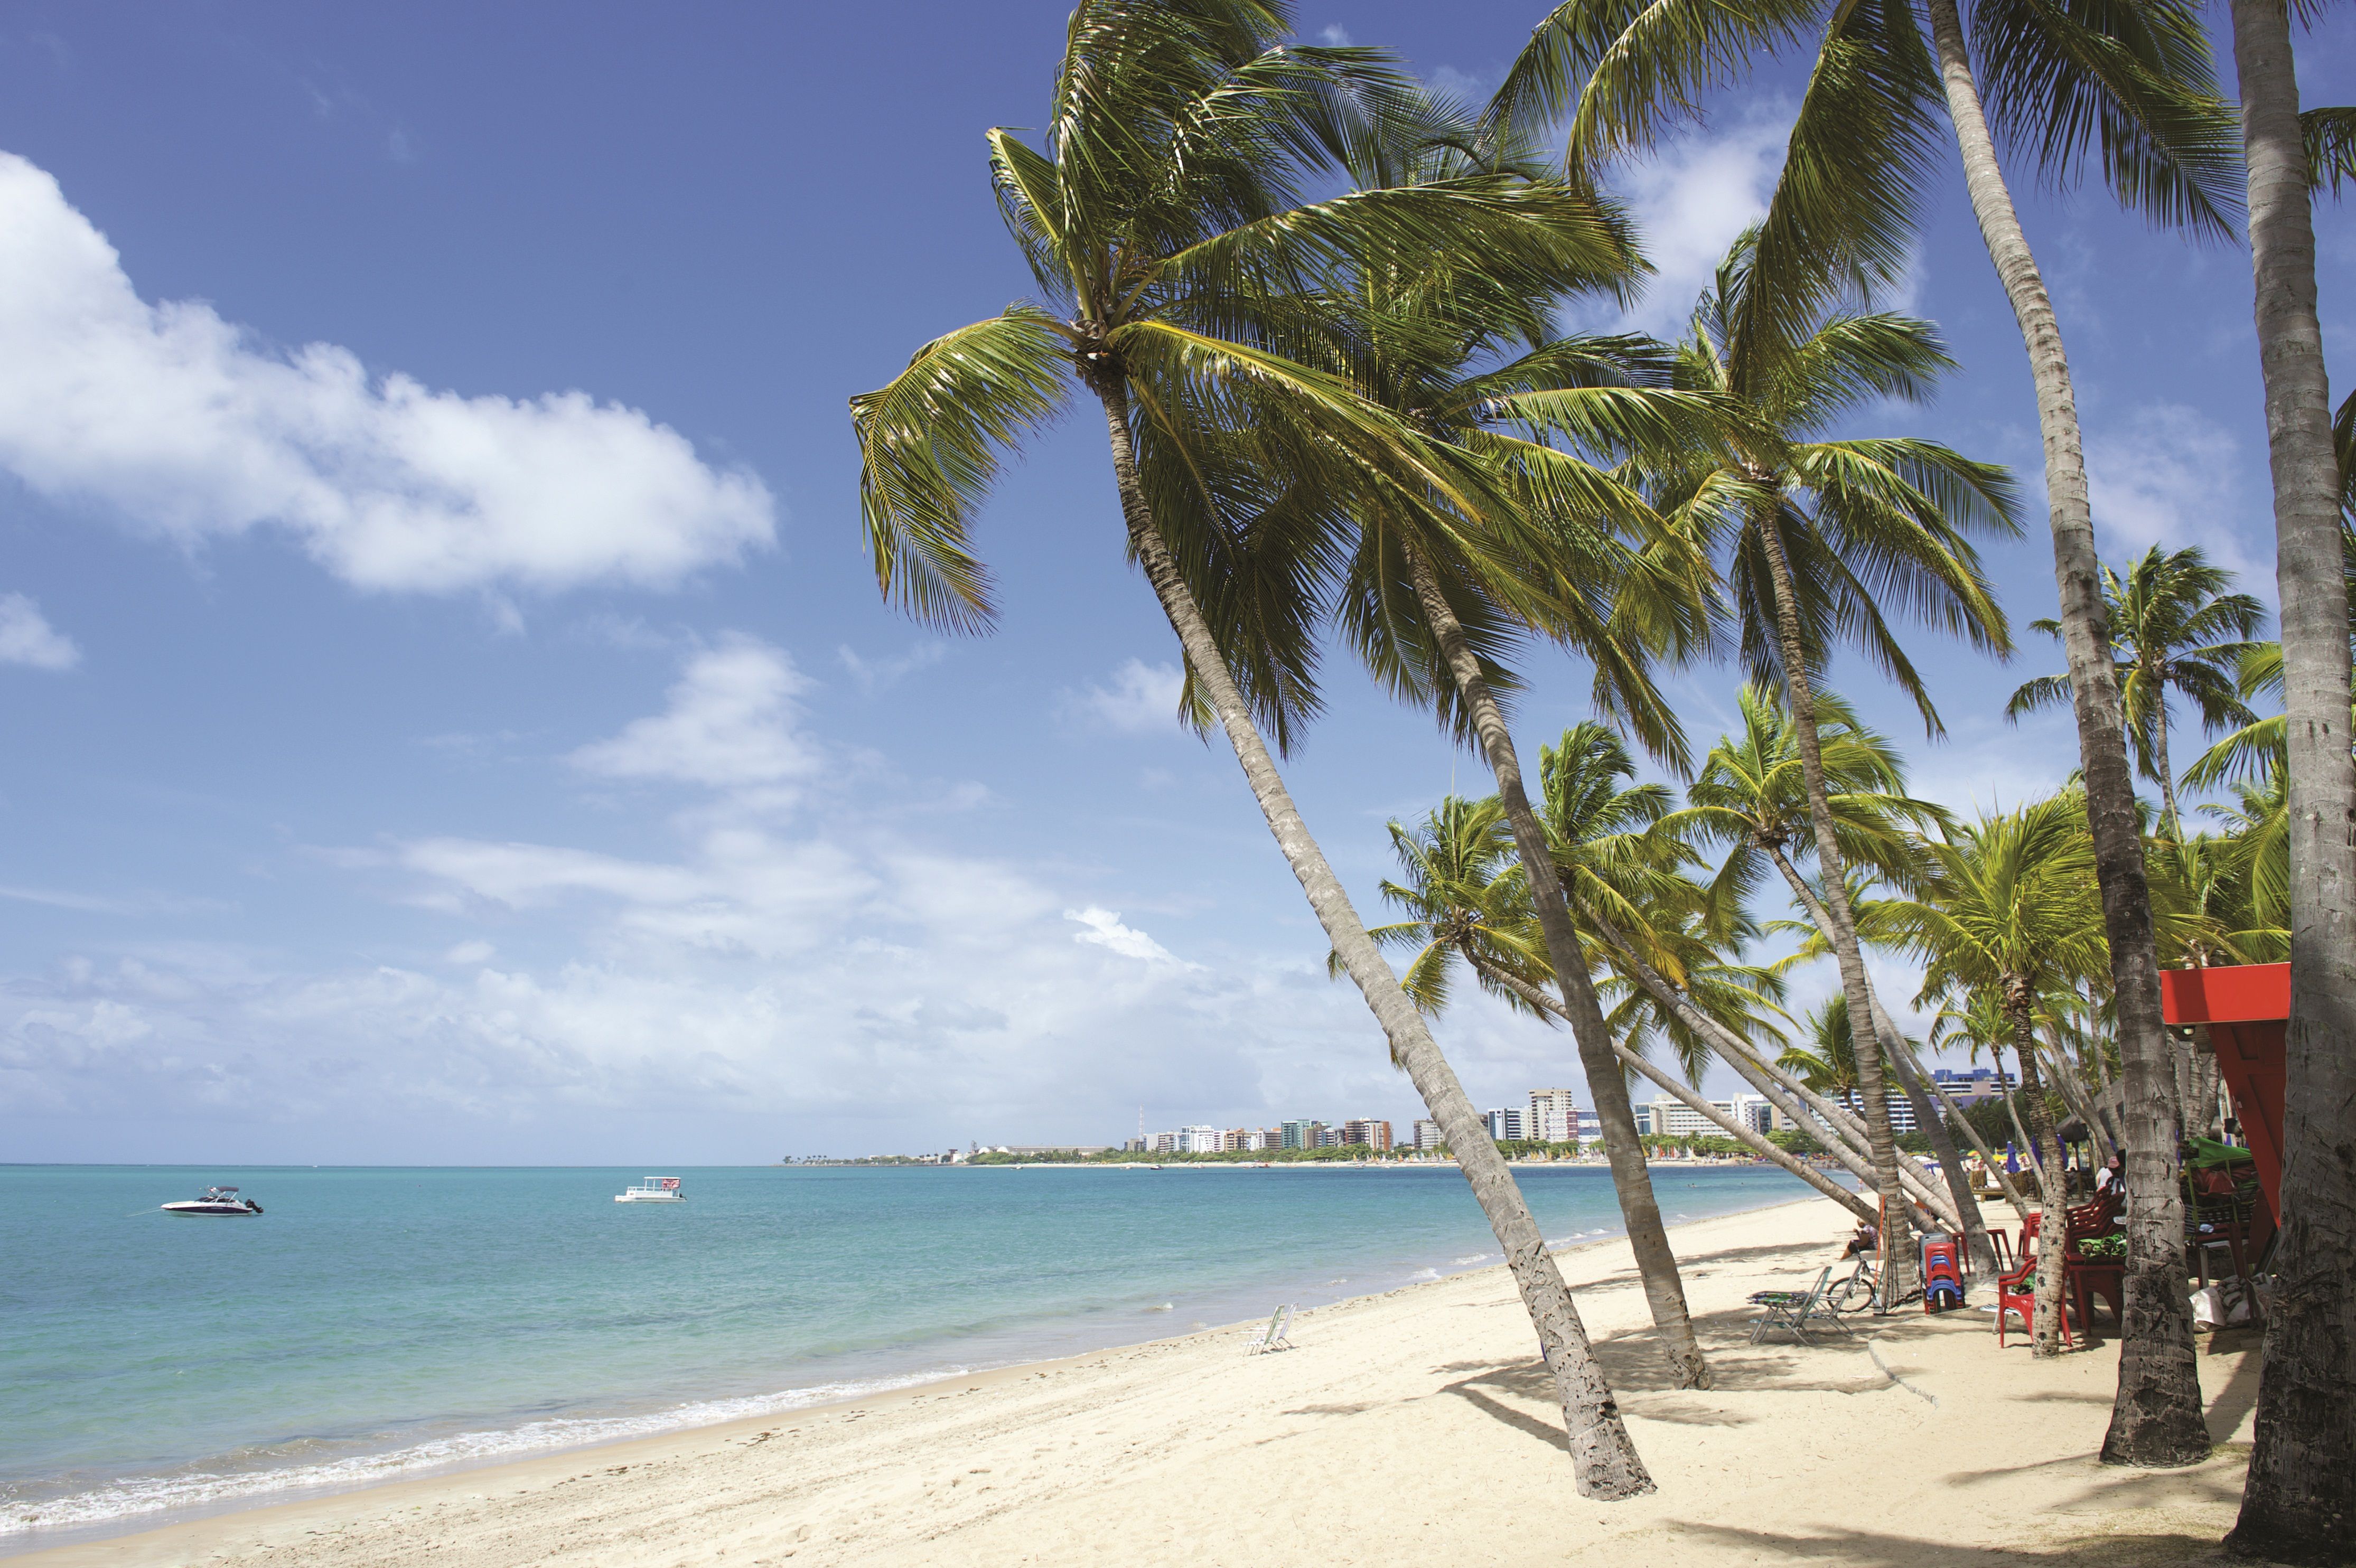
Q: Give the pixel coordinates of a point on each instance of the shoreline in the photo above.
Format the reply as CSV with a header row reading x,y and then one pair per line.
x,y
788,1403
1411,1422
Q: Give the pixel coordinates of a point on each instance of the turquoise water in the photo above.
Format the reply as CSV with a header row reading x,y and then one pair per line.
x,y
378,1323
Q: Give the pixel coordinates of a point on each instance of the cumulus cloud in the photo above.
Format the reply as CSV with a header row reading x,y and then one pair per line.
x,y
1139,699
1690,200
178,421
732,722
1103,927
27,638
2172,475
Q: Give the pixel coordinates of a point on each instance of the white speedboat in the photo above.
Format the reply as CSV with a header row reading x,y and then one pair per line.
x,y
653,1190
216,1201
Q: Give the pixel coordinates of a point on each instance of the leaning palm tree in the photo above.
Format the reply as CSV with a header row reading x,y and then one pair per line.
x,y
2177,633
1470,356
2013,910
1181,282
1467,903
2129,82
1819,534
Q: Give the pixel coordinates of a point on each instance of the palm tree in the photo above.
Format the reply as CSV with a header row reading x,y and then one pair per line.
x,y
2175,632
2012,909
1180,278
1433,594
1818,533
2301,1491
1830,1067
2130,81
1467,902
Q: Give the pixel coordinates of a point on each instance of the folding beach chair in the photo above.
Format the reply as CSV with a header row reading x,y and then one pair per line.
x,y
1794,1310
1272,1337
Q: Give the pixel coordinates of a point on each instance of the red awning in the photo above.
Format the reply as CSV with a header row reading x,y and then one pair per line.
x,y
2246,1008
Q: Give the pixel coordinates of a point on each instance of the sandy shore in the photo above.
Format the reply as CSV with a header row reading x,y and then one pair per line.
x,y
1414,1426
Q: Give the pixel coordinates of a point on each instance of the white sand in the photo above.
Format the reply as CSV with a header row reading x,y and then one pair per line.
x,y
1413,1427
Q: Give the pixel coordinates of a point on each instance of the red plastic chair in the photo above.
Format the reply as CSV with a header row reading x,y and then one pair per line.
x,y
2015,1293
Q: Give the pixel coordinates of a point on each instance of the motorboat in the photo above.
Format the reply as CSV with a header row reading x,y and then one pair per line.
x,y
216,1201
653,1190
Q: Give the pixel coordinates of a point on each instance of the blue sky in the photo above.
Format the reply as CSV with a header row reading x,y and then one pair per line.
x,y
450,717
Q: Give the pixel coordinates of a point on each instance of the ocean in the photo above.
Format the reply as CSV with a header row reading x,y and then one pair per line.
x,y
378,1323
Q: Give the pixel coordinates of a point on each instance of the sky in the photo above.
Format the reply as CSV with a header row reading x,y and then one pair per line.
x,y
449,713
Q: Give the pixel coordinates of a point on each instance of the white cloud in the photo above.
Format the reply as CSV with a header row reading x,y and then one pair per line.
x,y
1139,699
1103,927
732,723
1335,34
2172,476
178,421
469,954
1691,200
27,638
1470,88
881,675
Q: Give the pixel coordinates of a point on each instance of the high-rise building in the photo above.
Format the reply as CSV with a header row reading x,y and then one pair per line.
x,y
1295,1134
1200,1140
1427,1134
1365,1130
1591,1125
1755,1111
1505,1125
1323,1136
1165,1143
1554,1115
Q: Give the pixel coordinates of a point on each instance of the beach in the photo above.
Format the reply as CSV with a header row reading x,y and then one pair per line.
x,y
1412,1425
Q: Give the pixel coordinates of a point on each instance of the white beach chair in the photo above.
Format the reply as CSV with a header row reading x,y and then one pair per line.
x,y
1272,1337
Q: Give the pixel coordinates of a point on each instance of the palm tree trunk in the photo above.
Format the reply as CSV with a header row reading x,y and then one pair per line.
x,y
1898,1262
1956,1114
2156,1417
1978,1251
1887,1039
1750,1138
2167,776
2300,1503
2073,1090
1844,1134
2052,1205
2036,1160
1657,1265
1603,1459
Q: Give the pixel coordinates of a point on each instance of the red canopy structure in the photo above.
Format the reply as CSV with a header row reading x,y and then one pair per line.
x,y
2247,1008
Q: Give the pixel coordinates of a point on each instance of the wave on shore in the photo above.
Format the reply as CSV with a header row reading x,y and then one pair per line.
x,y
264,1469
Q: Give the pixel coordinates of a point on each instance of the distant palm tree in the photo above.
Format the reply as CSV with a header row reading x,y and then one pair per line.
x,y
1818,533
1828,1063
2175,632
2130,86
2012,910
1182,280
1467,902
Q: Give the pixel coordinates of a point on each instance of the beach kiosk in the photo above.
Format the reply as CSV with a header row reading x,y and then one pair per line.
x,y
2246,1008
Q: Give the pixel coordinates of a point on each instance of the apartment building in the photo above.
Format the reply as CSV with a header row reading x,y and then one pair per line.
x,y
1554,1115
1505,1124
1365,1130
1426,1135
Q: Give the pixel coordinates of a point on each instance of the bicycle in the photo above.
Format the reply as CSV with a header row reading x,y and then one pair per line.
x,y
1859,1290
1862,1290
